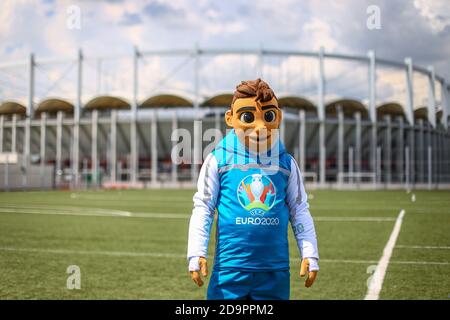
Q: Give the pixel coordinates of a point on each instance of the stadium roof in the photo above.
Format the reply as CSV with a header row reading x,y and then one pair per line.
x,y
11,107
391,108
220,100
296,102
349,106
166,101
107,102
421,113
54,105
439,115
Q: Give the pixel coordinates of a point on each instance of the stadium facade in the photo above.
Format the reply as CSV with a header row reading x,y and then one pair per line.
x,y
126,141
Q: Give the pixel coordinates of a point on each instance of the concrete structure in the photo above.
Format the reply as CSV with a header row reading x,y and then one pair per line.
x,y
338,142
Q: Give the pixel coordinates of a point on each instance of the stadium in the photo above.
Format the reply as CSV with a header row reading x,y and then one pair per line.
x,y
76,132
350,121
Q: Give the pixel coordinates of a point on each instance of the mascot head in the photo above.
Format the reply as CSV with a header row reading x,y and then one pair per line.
x,y
255,115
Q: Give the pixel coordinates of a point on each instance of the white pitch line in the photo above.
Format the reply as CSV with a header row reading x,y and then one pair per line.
x,y
376,283
100,253
422,247
88,213
425,263
354,219
97,212
183,256
350,261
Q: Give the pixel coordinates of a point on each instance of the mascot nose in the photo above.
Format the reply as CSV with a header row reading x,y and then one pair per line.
x,y
259,126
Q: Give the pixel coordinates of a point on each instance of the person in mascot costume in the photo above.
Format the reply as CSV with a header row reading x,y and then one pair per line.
x,y
257,189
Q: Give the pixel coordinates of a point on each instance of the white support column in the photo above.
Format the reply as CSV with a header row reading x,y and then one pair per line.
x,y
154,147
434,134
443,157
6,175
196,154
76,123
43,144
399,149
410,116
409,91
282,129
431,105
447,99
59,119
421,152
447,156
2,131
302,140
31,65
358,134
321,113
174,173
372,110
14,133
412,149
388,149
430,167
431,108
29,117
94,147
445,105
407,168
134,165
351,167
378,165
340,143
439,149
429,138
113,147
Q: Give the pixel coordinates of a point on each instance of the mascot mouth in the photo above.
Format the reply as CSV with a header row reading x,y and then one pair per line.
x,y
259,138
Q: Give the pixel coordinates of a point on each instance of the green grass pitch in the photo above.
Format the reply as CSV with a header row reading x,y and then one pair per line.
x,y
132,244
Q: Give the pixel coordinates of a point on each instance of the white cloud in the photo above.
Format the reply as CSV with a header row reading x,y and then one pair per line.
x,y
320,34
217,28
40,27
436,12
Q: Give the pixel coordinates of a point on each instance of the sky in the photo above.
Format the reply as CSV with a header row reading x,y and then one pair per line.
x,y
408,28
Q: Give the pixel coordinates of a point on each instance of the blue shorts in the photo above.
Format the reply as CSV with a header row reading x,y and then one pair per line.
x,y
241,285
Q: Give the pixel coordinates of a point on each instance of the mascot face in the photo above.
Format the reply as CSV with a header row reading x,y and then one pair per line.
x,y
255,122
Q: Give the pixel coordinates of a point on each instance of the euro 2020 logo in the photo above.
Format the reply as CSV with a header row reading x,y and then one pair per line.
x,y
256,193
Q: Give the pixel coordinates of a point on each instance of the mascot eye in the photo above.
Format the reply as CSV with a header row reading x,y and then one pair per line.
x,y
270,116
247,117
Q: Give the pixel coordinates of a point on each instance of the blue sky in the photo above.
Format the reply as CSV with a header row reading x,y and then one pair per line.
x,y
416,28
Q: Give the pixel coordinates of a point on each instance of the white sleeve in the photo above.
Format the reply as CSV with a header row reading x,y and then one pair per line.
x,y
205,200
301,220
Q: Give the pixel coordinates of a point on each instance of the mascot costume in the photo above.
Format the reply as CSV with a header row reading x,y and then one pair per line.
x,y
257,189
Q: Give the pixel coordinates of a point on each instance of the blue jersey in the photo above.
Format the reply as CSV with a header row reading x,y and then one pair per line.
x,y
253,217
256,196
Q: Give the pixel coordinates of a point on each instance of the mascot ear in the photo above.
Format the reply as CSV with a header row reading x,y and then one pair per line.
x,y
229,118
